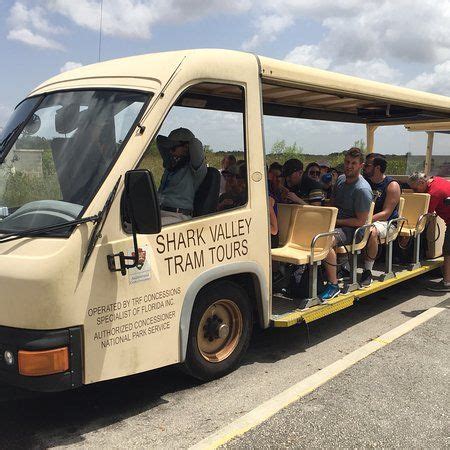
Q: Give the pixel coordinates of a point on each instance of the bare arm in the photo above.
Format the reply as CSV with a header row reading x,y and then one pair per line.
x,y
197,161
390,203
295,199
355,222
273,217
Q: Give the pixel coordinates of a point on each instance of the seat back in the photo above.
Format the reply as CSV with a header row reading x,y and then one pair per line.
x,y
362,243
309,221
415,205
393,232
207,195
285,219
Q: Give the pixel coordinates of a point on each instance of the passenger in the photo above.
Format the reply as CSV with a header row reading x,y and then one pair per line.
x,y
353,198
275,197
386,193
241,180
184,170
324,167
227,161
334,175
439,190
235,188
273,211
276,188
292,172
310,188
328,181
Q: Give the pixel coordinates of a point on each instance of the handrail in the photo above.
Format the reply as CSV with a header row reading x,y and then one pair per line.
x,y
390,222
317,237
421,217
363,227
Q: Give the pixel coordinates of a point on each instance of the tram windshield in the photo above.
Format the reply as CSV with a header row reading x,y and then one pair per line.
x,y
56,150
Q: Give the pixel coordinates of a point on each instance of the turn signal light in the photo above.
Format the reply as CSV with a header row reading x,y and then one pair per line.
x,y
46,362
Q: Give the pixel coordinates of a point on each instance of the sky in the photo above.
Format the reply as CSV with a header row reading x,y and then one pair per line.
x,y
399,42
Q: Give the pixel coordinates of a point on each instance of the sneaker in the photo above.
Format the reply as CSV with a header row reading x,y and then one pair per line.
x,y
366,278
343,274
331,291
439,287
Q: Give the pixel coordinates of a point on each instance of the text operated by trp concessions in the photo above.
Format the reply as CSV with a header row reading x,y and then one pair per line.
x,y
134,318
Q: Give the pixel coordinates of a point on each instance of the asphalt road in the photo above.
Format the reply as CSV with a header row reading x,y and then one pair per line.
x,y
397,398
165,408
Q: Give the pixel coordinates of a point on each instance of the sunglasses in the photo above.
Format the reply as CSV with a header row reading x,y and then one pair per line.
x,y
314,172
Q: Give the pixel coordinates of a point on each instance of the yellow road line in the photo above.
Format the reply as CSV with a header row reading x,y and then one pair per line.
x,y
309,384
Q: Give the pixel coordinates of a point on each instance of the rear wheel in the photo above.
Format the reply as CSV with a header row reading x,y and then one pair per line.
x,y
219,332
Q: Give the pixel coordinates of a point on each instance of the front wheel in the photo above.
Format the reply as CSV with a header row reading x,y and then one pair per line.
x,y
220,331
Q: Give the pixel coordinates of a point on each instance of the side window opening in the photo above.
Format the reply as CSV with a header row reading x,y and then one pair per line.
x,y
198,157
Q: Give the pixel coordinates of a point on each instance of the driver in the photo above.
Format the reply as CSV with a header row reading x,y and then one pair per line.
x,y
184,170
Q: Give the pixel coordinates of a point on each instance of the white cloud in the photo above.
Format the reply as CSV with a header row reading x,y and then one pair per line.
x,y
375,69
308,55
21,16
136,18
69,65
413,31
30,26
269,27
437,81
124,18
28,37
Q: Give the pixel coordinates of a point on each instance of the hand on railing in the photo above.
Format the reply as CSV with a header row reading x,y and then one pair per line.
x,y
421,217
389,224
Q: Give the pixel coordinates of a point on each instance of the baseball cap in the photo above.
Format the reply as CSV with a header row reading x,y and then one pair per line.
x,y
176,137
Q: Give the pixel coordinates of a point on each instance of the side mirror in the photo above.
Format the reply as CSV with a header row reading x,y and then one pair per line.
x,y
140,215
140,206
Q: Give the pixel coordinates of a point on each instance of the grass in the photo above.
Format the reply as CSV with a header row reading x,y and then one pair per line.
x,y
22,187
397,164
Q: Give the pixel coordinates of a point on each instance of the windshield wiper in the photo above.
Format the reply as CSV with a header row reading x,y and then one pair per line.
x,y
36,231
98,227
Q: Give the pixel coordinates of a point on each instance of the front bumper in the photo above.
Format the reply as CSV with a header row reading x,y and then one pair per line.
x,y
15,339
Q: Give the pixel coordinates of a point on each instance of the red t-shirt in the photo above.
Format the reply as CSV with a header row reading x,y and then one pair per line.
x,y
439,189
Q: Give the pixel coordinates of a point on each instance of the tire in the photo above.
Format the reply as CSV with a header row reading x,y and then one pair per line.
x,y
219,332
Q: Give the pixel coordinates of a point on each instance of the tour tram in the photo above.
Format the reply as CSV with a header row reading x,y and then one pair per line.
x,y
94,288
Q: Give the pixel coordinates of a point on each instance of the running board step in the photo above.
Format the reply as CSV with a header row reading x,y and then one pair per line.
x,y
288,312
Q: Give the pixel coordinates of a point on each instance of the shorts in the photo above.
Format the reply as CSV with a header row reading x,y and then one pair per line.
x,y
446,246
345,236
381,227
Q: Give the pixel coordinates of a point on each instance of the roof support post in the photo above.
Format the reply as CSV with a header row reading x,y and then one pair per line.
x,y
370,137
430,140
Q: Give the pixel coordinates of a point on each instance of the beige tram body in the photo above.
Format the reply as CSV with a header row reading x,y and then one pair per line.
x,y
129,325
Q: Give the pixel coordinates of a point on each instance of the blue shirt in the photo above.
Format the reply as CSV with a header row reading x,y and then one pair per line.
x,y
352,198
